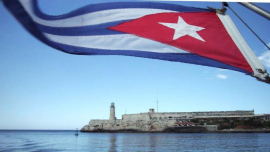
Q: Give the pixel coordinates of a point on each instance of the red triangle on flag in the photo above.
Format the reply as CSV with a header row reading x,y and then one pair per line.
x,y
200,33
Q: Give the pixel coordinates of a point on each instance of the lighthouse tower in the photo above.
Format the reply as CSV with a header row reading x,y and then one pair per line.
x,y
112,112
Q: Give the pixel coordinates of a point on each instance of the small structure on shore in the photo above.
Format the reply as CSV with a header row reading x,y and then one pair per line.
x,y
76,132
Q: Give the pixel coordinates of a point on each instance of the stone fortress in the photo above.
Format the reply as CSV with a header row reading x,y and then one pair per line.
x,y
161,121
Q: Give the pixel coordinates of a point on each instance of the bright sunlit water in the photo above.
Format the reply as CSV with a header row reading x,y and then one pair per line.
x,y
50,141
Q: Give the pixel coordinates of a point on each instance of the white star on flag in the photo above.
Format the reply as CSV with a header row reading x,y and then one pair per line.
x,y
181,28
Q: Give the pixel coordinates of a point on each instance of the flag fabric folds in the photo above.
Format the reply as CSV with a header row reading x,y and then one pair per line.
x,y
143,29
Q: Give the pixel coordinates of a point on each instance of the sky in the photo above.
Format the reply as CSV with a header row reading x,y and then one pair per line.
x,y
43,88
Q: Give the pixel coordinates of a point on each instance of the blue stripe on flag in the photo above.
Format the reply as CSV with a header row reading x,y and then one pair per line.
x,y
22,16
116,5
177,57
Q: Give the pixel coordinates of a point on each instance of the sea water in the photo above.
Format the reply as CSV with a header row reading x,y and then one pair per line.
x,y
51,141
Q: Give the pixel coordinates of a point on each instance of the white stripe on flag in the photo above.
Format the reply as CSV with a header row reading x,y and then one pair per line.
x,y
242,45
115,42
94,18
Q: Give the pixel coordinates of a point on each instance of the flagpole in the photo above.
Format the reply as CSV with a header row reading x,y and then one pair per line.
x,y
256,9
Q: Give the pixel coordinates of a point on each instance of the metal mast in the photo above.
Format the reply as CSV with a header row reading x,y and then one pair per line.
x,y
256,9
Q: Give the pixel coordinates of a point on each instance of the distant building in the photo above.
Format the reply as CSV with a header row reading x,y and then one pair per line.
x,y
158,121
264,117
151,115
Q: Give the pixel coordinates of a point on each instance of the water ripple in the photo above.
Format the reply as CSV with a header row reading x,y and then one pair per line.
x,y
50,141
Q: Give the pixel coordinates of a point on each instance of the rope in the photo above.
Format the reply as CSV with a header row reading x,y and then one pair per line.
x,y
247,25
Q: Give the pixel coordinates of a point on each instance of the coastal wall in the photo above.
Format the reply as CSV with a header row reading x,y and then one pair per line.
x,y
160,122
163,125
157,126
188,115
132,117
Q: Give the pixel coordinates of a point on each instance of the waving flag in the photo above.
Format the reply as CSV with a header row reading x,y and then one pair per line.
x,y
143,29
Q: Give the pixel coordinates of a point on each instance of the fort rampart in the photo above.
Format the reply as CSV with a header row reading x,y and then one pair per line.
x,y
158,122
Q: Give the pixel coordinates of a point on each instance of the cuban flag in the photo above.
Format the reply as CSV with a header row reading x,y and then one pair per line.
x,y
143,29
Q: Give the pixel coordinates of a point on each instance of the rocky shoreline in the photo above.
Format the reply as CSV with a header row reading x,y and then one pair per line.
x,y
243,131
190,129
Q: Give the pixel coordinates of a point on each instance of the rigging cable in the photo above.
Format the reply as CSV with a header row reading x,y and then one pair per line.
x,y
266,79
227,5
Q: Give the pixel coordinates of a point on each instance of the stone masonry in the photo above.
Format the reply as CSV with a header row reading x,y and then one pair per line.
x,y
157,122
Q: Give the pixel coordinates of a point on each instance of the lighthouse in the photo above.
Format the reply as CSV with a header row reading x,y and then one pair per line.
x,y
112,112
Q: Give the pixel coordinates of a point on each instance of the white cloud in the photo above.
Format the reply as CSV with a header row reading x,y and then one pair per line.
x,y
222,76
265,58
222,69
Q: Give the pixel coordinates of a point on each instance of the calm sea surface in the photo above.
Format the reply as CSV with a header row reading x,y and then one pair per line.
x,y
50,141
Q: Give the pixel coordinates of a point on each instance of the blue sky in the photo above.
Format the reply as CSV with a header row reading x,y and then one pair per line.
x,y
43,88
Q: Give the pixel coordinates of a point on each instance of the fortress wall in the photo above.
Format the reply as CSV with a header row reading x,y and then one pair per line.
x,y
114,125
224,114
211,127
239,116
134,117
169,115
210,114
95,121
100,121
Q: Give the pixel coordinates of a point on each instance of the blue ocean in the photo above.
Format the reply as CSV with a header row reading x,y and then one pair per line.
x,y
51,141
